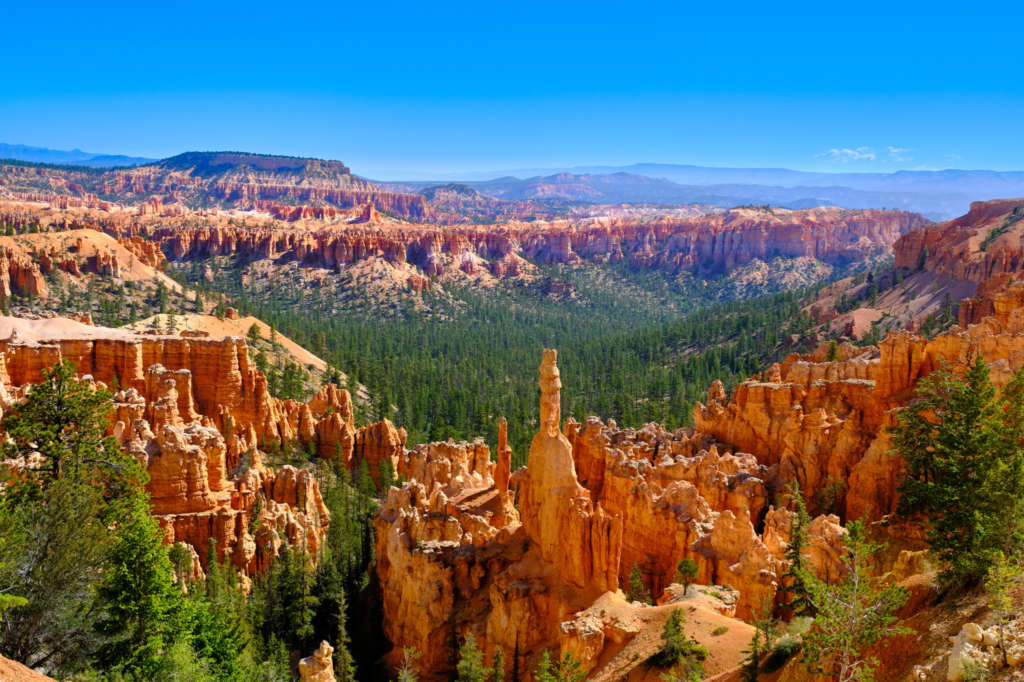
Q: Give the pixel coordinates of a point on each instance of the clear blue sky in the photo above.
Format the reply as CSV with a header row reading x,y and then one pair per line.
x,y
396,88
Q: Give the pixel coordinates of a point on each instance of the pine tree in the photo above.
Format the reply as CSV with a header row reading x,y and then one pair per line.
x,y
161,297
965,468
833,351
852,615
498,666
1002,576
792,581
567,670
686,573
470,667
344,665
637,588
678,650
752,663
407,671
65,421
142,610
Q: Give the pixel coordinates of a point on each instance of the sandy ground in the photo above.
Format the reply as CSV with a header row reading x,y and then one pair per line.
x,y
702,621
86,244
56,329
11,671
218,329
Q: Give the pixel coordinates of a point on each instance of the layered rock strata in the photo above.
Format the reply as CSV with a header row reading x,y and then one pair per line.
x,y
195,413
454,556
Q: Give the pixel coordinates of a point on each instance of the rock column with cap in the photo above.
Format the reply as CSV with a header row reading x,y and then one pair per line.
x,y
582,541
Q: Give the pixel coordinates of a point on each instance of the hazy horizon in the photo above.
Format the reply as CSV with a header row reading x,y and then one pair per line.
x,y
400,88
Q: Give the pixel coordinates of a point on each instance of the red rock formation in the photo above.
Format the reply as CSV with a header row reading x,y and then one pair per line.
x,y
198,179
194,411
558,513
719,242
450,558
378,445
20,275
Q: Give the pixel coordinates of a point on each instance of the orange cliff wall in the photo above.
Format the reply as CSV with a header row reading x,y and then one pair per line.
x,y
982,246
718,242
325,237
451,562
454,557
195,412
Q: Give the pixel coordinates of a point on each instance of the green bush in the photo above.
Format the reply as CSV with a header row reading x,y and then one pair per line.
x,y
784,649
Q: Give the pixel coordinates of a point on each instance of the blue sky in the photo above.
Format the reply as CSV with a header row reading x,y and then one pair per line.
x,y
401,89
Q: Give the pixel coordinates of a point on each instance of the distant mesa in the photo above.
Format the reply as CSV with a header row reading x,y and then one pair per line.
x,y
211,163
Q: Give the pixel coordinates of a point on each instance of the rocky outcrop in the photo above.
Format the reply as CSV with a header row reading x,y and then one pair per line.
x,y
824,424
558,513
20,274
454,557
320,666
199,179
195,413
978,245
27,260
380,446
720,242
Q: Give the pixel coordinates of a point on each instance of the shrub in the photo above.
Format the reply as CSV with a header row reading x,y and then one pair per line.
x,y
784,649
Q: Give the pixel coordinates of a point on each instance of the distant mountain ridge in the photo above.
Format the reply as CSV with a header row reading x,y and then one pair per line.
x,y
74,157
938,194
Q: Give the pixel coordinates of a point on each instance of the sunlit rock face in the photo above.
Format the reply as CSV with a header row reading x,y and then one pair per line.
x,y
194,411
593,501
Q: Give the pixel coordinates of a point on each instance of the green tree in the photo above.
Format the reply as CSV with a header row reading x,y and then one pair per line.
x,y
64,421
1002,576
852,615
498,666
567,670
8,601
254,334
833,351
677,649
284,600
55,542
799,536
344,665
59,520
407,671
686,573
161,297
752,663
221,628
470,667
965,468
637,589
142,609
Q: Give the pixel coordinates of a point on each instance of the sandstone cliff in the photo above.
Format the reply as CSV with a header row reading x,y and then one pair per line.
x,y
454,556
195,412
287,186
26,260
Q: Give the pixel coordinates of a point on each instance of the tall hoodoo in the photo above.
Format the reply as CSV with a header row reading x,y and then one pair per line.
x,y
503,472
557,511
